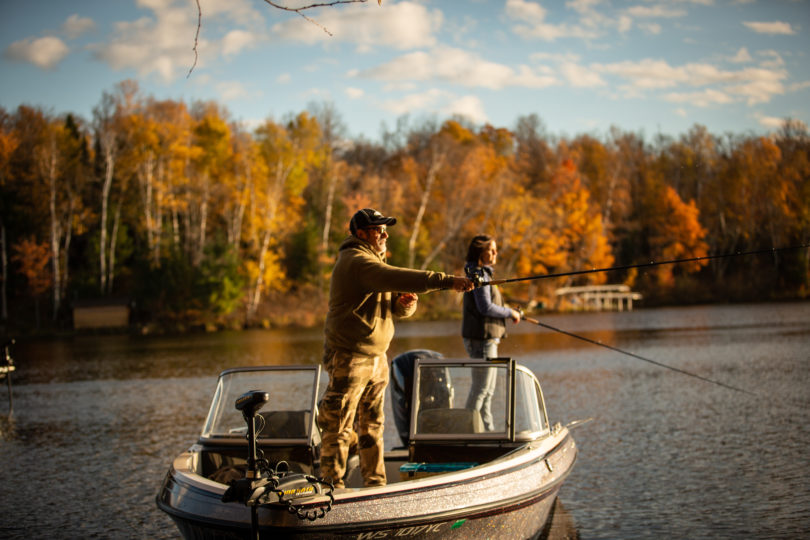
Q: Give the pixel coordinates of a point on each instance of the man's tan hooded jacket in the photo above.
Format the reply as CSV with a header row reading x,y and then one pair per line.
x,y
363,298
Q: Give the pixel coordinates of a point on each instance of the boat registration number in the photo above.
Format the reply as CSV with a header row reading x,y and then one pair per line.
x,y
404,532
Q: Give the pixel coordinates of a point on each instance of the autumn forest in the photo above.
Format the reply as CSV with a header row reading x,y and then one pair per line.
x,y
200,222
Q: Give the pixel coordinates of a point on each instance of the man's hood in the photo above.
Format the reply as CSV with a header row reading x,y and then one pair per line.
x,y
353,242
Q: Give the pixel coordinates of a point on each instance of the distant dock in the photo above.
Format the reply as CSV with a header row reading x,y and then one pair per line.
x,y
597,298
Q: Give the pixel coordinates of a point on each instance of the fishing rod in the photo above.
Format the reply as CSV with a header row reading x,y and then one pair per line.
x,y
481,283
660,364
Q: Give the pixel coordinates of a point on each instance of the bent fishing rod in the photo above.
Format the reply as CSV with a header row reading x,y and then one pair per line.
x,y
481,283
633,355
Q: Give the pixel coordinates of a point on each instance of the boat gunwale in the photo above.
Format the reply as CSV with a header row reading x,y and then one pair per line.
x,y
501,464
496,507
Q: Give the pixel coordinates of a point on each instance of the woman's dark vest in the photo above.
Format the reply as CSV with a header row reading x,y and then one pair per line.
x,y
474,325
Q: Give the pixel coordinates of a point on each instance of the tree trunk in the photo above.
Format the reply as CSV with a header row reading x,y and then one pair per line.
x,y
55,236
4,263
109,164
433,170
147,181
113,243
201,234
66,245
273,195
255,297
327,219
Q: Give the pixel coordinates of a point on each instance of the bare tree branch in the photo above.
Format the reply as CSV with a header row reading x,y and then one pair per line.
x,y
310,6
283,8
196,38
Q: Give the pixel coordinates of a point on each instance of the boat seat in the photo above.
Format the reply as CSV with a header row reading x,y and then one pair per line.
x,y
449,421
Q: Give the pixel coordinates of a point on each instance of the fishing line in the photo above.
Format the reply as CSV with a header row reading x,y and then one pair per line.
x,y
644,265
660,364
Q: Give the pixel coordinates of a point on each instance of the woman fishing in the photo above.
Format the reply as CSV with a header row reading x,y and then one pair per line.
x,y
484,322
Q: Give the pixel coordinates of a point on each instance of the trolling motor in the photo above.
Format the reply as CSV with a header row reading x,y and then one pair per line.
x,y
247,490
265,485
250,403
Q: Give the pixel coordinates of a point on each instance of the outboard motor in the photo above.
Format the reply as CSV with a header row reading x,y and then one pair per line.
x,y
435,393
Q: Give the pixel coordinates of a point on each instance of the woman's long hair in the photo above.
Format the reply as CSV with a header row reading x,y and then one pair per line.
x,y
477,246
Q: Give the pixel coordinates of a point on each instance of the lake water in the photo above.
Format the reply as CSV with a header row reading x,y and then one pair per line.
x,y
98,419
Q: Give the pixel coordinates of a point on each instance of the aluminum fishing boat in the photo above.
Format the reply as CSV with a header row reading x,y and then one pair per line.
x,y
254,472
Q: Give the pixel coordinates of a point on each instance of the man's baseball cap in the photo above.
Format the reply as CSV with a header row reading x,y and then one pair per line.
x,y
368,217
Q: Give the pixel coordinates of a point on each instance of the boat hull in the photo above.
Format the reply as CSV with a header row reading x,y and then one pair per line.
x,y
508,498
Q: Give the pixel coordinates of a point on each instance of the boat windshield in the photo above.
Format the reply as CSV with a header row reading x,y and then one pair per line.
x,y
287,414
461,400
474,400
531,420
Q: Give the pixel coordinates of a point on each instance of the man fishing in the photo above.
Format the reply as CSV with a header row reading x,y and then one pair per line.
x,y
365,294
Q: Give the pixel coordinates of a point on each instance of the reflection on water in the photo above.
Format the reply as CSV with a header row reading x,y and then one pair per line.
x,y
98,419
561,524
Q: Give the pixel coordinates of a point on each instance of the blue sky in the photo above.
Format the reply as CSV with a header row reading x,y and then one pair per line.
x,y
582,66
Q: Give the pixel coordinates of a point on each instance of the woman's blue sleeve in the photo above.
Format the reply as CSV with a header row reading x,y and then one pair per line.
x,y
483,301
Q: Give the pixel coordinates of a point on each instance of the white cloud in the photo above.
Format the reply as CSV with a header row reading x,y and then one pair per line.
x,y
237,40
624,24
704,98
742,56
401,26
529,12
772,122
540,77
555,57
644,74
531,19
760,87
439,102
795,87
231,90
161,43
45,52
772,59
468,106
775,27
239,11
656,12
415,102
74,26
532,23
652,29
355,93
284,78
650,74
153,45
580,76
456,66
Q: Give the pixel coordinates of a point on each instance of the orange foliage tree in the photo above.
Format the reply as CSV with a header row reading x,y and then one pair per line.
x,y
676,233
33,259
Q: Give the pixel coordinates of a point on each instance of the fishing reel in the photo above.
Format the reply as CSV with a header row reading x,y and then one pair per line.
x,y
476,275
